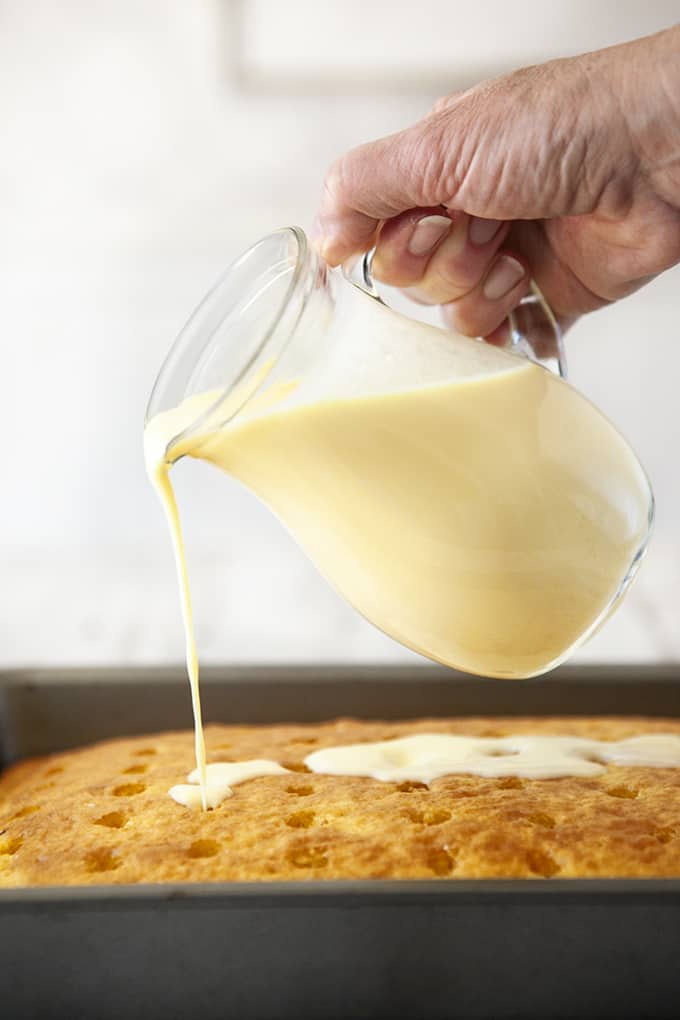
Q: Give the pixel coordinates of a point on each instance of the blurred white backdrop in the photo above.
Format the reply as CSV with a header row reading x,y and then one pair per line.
x,y
144,143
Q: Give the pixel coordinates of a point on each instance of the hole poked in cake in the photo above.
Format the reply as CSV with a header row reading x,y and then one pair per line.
x,y
436,816
135,770
510,783
543,819
440,861
541,863
664,834
499,752
144,752
128,789
203,848
112,820
9,847
464,788
410,785
295,766
301,820
623,792
101,859
432,816
300,790
306,741
307,857
56,770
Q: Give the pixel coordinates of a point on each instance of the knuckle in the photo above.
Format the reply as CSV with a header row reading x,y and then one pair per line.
x,y
452,278
440,104
432,155
393,270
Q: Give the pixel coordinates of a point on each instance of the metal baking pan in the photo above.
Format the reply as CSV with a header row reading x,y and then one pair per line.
x,y
322,950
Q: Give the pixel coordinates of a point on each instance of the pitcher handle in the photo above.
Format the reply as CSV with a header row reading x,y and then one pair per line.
x,y
535,332
532,327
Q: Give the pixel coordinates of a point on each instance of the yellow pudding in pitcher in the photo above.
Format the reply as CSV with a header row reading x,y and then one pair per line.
x,y
388,495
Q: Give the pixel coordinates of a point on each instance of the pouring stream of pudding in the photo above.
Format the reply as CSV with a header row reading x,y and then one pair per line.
x,y
159,474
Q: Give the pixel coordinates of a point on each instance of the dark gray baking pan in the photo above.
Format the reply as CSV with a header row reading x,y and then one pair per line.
x,y
317,950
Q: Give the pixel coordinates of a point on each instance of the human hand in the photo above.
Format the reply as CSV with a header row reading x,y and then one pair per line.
x,y
568,172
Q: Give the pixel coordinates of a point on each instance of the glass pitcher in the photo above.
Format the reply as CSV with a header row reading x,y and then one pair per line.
x,y
462,497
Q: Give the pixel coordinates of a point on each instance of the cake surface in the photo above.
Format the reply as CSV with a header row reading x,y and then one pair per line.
x,y
102,814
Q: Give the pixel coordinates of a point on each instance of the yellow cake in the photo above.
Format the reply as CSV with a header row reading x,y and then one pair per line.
x,y
102,814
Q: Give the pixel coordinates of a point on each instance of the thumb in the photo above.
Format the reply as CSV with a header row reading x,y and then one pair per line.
x,y
377,181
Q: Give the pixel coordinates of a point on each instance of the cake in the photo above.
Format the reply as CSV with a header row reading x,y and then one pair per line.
x,y
102,814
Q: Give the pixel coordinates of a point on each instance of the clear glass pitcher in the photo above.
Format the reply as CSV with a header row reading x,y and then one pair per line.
x,y
464,498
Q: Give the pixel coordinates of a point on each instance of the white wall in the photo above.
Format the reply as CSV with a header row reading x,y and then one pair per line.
x,y
141,149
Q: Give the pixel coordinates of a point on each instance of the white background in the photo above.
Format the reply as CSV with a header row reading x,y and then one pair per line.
x,y
143,143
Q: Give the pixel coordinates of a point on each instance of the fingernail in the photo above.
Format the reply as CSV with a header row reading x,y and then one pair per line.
x,y
427,233
482,231
505,273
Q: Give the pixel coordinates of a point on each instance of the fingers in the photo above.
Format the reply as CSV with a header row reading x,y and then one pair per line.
x,y
483,309
452,267
452,260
